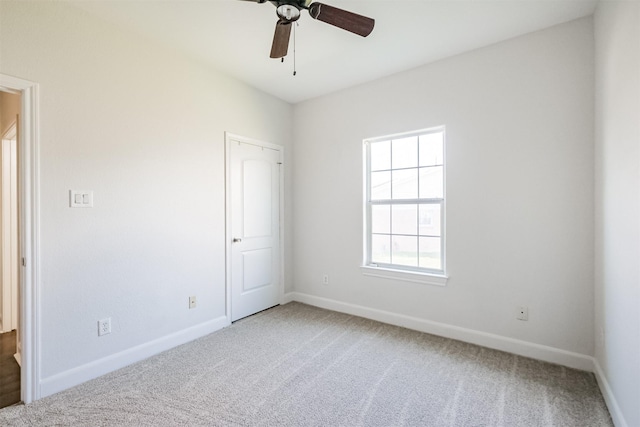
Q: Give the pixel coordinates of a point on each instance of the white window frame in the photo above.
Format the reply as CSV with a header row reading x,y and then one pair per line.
x,y
394,271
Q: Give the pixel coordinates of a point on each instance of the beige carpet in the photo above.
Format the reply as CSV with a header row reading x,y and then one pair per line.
x,y
297,365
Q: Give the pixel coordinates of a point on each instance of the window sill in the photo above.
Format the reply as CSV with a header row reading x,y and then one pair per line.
x,y
407,276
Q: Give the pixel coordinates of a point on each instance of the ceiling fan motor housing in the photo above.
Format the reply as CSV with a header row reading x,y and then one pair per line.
x,y
288,12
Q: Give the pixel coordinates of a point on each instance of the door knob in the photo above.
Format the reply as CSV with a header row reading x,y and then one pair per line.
x,y
237,240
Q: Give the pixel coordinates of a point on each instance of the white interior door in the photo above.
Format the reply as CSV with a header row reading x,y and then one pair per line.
x,y
254,226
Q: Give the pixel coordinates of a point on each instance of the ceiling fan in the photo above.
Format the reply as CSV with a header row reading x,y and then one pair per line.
x,y
289,12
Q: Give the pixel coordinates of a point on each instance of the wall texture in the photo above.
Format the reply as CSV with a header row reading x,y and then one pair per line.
x,y
519,121
143,127
617,220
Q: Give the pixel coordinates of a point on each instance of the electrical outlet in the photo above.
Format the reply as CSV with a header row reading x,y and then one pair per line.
x,y
104,326
192,302
523,313
325,279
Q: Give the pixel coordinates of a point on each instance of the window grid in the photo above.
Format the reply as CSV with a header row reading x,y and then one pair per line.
x,y
417,202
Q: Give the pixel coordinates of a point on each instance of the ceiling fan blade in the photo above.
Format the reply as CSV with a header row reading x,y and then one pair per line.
x,y
280,44
349,21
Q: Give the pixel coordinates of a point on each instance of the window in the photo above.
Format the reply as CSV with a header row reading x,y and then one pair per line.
x,y
404,202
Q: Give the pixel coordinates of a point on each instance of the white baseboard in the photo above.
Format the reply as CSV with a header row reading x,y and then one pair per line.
x,y
609,398
81,374
498,342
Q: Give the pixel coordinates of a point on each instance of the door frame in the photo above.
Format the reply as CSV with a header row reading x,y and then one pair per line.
x,y
29,232
228,138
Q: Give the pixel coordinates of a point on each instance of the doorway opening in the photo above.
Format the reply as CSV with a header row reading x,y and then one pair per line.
x,y
10,106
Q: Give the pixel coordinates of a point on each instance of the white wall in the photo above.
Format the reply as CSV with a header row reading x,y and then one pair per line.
x,y
519,118
143,127
617,220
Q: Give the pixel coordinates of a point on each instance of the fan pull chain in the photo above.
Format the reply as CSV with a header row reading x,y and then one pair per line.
x,y
294,48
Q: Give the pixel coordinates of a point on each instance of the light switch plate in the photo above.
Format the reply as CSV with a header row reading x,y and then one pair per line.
x,y
80,198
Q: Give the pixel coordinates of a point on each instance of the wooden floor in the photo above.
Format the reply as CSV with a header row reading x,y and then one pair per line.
x,y
9,370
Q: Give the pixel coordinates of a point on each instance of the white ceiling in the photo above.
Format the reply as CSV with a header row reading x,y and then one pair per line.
x,y
235,36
